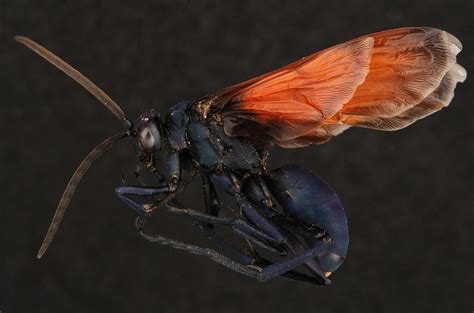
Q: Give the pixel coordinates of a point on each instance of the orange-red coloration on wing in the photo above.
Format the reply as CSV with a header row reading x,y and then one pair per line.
x,y
383,81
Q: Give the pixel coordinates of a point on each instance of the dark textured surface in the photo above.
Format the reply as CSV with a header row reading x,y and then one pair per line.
x,y
407,194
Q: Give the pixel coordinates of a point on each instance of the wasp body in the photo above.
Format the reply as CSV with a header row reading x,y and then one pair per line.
x,y
384,81
188,140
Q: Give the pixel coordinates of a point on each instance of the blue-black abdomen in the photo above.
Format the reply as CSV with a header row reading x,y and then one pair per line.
x,y
307,197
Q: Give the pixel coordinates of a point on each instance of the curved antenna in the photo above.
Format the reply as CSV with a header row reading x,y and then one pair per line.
x,y
71,187
76,75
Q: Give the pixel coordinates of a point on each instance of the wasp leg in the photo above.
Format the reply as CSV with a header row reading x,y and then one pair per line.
x,y
124,193
144,191
281,268
286,266
239,226
162,193
211,202
231,184
212,206
278,268
210,253
241,256
258,193
291,243
254,258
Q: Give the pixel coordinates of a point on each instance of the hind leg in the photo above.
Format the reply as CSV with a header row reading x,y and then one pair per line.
x,y
301,234
282,268
260,213
232,185
307,198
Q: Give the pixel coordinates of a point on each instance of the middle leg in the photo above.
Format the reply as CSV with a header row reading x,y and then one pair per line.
x,y
238,226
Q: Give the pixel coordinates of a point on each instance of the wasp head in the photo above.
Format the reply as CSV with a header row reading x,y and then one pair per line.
x,y
148,130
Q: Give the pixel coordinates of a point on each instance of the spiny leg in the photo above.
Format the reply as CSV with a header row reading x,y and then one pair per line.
x,y
239,226
230,183
212,206
281,268
124,193
210,253
241,256
252,212
268,272
259,194
254,258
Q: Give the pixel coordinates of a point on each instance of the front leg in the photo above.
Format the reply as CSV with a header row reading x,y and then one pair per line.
x,y
161,194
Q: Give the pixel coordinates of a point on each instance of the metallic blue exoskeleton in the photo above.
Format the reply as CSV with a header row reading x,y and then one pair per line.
x,y
291,215
288,213
309,230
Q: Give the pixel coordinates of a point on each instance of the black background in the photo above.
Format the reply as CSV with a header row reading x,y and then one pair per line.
x,y
408,194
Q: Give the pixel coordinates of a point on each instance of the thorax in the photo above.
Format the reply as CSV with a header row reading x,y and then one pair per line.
x,y
207,143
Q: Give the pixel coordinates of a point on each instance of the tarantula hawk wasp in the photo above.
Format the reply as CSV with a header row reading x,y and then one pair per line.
x,y
383,81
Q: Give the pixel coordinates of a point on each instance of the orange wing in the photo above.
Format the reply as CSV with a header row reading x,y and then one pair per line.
x,y
384,81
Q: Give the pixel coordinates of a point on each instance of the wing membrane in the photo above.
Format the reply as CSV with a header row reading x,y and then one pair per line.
x,y
384,81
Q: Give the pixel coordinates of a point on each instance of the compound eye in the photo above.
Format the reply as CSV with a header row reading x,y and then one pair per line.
x,y
147,140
